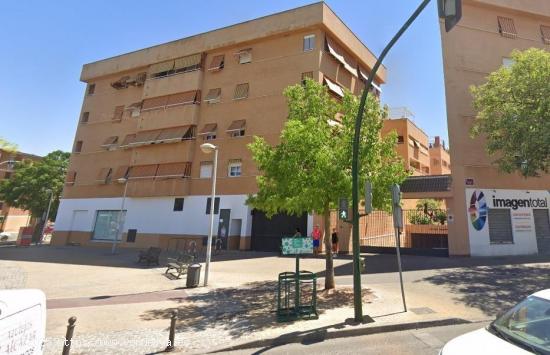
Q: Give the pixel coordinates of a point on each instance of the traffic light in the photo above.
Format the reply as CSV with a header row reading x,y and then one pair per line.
x,y
451,11
343,208
368,197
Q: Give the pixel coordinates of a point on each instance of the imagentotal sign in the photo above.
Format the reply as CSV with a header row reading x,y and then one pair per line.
x,y
501,222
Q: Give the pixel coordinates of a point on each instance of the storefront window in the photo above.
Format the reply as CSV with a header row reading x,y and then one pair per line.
x,y
105,227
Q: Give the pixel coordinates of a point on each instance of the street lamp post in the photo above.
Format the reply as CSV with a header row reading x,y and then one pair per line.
x,y
209,148
451,11
119,217
47,216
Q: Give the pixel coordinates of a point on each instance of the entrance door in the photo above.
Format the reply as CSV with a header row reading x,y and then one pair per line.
x,y
542,230
223,226
268,232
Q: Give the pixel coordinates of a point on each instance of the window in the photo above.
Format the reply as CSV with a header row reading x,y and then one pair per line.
x,y
209,137
217,63
545,33
213,96
178,204
208,132
119,112
507,62
71,178
436,162
78,147
206,170
107,226
309,43
216,205
104,176
234,168
237,128
306,75
241,91
85,117
245,56
506,27
400,140
500,226
110,142
91,89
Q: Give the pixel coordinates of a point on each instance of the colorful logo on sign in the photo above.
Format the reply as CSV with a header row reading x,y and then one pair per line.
x,y
478,210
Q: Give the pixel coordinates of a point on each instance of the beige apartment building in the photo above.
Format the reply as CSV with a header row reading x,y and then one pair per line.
x,y
491,213
11,218
145,114
440,160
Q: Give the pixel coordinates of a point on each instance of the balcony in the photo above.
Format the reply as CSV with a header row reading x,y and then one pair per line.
x,y
158,187
172,84
169,117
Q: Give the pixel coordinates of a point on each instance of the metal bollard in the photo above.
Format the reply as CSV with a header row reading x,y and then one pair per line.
x,y
69,336
172,335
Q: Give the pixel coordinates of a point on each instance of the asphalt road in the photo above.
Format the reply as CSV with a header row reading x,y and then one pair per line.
x,y
421,341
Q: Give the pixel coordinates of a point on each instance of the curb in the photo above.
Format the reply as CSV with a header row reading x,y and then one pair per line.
x,y
321,334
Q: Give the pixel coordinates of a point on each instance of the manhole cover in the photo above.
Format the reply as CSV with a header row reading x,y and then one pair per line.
x,y
422,310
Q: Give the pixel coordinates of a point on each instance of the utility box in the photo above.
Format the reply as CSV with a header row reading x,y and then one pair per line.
x,y
193,275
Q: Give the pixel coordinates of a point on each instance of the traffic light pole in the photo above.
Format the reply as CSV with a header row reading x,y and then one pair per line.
x,y
357,300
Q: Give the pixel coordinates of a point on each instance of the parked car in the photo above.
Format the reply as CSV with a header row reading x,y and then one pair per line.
x,y
524,329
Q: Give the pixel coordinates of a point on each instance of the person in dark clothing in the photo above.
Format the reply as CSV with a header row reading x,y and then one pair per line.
x,y
334,242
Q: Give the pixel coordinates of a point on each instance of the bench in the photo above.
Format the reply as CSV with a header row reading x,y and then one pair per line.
x,y
150,256
179,264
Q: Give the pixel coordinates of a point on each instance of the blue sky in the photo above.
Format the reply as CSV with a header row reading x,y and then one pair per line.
x,y
45,43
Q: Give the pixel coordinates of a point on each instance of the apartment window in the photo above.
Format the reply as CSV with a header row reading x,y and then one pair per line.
x,y
213,96
217,63
106,225
545,33
245,56
507,62
436,162
105,175
178,204
241,91
500,226
309,43
209,137
91,89
71,177
400,140
234,168
85,117
506,27
118,113
77,147
306,75
237,128
216,205
208,132
205,170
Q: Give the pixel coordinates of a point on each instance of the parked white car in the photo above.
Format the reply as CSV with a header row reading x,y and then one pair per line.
x,y
525,329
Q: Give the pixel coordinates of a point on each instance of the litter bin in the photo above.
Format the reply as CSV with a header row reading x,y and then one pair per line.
x,y
193,275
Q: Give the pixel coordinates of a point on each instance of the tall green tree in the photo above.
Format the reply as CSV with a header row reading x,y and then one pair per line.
x,y
7,146
310,169
514,113
31,182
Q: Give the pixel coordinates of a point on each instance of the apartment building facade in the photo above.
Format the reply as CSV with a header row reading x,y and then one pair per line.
x,y
145,114
12,218
491,213
440,160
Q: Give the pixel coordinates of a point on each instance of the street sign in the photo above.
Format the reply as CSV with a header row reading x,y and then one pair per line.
x,y
451,11
396,195
343,209
368,197
297,245
398,217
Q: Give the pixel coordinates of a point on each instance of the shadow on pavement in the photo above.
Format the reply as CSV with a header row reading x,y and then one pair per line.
x,y
243,310
492,289
99,256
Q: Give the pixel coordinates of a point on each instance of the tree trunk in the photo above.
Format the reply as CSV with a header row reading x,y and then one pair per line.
x,y
329,277
37,233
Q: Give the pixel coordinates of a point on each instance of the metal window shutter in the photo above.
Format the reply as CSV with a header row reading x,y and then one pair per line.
x,y
542,230
241,91
506,27
500,225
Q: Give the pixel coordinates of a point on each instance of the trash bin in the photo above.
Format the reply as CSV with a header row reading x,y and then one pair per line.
x,y
193,275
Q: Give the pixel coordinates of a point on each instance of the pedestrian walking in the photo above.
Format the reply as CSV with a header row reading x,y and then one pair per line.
x,y
316,235
334,238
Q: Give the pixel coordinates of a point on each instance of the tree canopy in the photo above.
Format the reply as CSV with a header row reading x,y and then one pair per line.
x,y
514,113
310,169
7,146
29,186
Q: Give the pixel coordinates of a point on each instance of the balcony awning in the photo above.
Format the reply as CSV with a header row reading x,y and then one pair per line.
x,y
333,87
161,67
103,175
143,171
174,134
110,141
334,49
174,170
129,139
188,61
209,128
154,103
147,137
121,172
182,98
236,125
213,95
71,177
364,77
217,62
